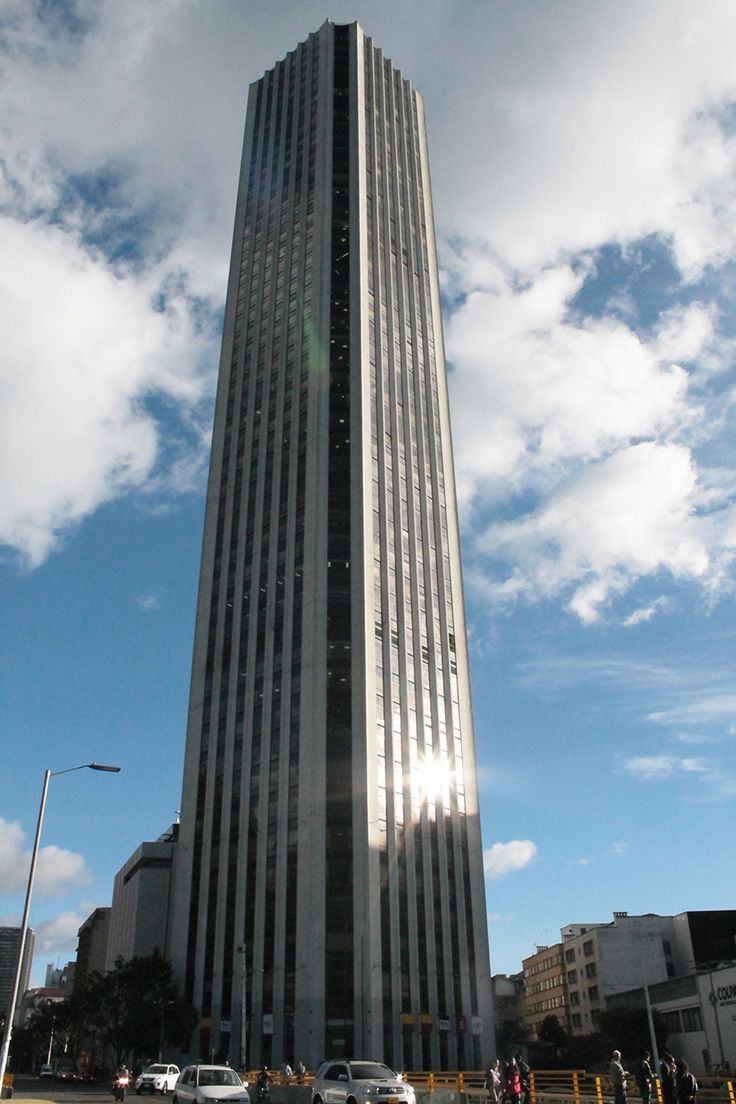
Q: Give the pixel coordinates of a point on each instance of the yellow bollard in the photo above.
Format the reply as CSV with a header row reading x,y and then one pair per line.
x,y
731,1096
430,1083
532,1089
658,1083
460,1082
598,1090
576,1087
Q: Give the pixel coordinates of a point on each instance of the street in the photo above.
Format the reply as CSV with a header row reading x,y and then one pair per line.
x,y
28,1088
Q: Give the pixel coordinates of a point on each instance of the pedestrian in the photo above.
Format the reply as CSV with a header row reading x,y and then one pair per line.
x,y
618,1076
300,1070
668,1078
512,1082
524,1072
285,1071
685,1084
492,1083
644,1077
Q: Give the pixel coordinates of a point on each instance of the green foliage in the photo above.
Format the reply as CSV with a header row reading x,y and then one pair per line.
x,y
136,1008
551,1031
627,1030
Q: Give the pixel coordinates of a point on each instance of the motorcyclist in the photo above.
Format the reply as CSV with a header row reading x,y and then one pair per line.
x,y
122,1080
263,1080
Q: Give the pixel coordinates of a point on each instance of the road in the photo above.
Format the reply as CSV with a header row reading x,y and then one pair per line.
x,y
29,1088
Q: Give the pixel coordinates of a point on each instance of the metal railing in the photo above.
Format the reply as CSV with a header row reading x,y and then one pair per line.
x,y
576,1086
545,1086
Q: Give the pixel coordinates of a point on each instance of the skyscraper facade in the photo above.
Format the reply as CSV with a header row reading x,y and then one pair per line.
x,y
328,883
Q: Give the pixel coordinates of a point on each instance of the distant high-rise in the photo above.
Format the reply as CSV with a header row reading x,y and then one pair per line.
x,y
9,946
329,875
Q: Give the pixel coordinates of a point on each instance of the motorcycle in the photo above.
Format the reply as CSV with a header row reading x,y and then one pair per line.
x,y
119,1086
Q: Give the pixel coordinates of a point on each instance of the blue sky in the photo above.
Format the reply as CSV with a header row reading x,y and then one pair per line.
x,y
583,161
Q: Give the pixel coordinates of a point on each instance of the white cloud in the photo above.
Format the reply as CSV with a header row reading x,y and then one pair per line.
x,y
650,768
502,858
57,870
59,935
627,516
559,169
534,389
646,613
618,848
74,431
148,602
702,706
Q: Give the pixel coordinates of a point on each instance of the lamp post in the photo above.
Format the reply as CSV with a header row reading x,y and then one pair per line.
x,y
7,1033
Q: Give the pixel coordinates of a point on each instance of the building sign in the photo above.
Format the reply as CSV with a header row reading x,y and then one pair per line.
x,y
225,1025
476,1025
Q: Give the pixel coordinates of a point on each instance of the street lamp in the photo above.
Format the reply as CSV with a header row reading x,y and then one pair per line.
x,y
10,1015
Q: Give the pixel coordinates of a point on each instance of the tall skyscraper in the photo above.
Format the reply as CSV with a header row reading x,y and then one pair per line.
x,y
329,874
9,944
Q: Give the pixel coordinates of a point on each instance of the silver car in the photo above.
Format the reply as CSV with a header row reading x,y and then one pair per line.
x,y
355,1082
209,1085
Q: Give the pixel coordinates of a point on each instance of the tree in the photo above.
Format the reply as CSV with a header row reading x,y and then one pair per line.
x,y
627,1030
552,1031
136,1009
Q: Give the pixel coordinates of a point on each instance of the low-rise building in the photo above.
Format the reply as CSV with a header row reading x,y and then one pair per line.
x,y
545,992
699,1013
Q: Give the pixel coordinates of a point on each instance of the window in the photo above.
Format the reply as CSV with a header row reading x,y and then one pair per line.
x,y
588,947
691,1019
576,1020
572,977
671,1022
590,970
570,955
593,992
575,998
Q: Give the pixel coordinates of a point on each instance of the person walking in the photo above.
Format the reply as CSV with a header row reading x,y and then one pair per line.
x,y
524,1072
492,1083
668,1078
512,1083
686,1086
618,1076
644,1077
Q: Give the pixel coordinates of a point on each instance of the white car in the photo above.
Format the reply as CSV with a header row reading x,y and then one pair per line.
x,y
158,1078
47,1072
356,1082
209,1085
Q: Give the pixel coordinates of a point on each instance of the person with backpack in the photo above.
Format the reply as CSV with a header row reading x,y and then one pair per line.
x,y
685,1084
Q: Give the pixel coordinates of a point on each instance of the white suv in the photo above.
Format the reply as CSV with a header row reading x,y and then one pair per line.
x,y
158,1078
354,1082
